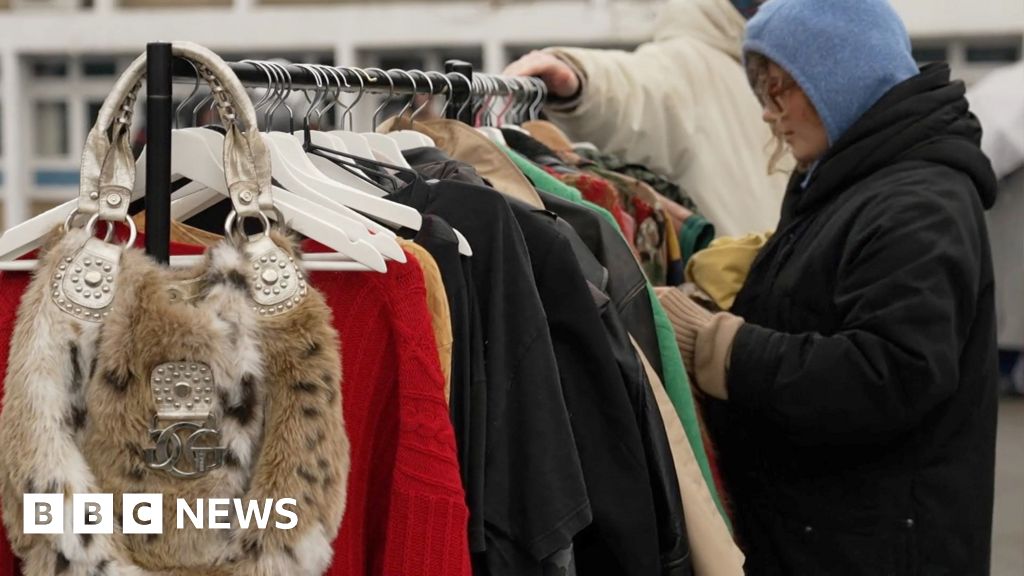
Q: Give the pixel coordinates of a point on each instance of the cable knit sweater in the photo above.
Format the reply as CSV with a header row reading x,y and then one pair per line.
x,y
406,512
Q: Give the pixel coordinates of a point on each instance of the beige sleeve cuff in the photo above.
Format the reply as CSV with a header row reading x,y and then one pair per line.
x,y
568,105
686,317
711,358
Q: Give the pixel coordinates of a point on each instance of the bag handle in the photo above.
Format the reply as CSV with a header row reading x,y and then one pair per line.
x,y
108,166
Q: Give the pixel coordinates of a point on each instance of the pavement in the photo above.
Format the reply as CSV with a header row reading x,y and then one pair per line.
x,y
1008,526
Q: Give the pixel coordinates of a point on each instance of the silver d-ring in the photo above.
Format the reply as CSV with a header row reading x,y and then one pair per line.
x,y
71,217
133,232
280,218
229,224
110,231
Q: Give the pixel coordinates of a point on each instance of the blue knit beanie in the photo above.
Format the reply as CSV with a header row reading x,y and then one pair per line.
x,y
844,54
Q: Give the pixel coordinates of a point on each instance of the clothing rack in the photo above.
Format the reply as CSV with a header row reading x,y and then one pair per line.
x,y
163,69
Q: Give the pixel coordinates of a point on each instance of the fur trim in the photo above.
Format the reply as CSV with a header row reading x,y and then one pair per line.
x,y
78,411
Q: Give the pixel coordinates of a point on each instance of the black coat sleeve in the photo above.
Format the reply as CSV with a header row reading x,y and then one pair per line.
x,y
904,302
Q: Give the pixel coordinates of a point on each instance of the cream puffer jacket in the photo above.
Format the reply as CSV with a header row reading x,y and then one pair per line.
x,y
681,105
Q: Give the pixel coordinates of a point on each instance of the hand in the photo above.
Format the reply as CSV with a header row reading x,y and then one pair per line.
x,y
705,340
559,77
689,320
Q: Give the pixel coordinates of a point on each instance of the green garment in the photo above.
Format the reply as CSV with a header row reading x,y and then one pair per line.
x,y
694,236
677,385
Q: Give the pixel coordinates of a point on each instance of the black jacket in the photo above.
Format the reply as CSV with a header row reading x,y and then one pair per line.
x,y
627,285
638,525
859,437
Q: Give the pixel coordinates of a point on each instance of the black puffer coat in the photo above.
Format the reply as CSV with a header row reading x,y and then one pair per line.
x,y
859,437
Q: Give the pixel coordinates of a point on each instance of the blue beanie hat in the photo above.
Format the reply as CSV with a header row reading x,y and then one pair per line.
x,y
844,54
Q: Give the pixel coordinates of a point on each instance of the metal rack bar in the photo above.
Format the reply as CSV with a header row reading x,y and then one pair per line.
x,y
402,82
163,69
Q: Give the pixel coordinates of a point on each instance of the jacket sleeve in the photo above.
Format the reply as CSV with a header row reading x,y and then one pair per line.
x,y
636,105
906,299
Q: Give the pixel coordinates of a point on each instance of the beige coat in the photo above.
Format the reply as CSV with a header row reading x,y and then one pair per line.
x,y
714,551
682,106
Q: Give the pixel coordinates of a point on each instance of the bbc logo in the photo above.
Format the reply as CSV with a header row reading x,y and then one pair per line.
x,y
144,514
93,514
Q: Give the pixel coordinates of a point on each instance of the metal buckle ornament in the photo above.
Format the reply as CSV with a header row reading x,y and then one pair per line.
x,y
183,393
171,450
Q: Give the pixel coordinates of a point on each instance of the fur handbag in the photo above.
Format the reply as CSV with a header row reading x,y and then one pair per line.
x,y
222,381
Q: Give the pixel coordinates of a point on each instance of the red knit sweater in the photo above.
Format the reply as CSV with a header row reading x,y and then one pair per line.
x,y
406,512
12,286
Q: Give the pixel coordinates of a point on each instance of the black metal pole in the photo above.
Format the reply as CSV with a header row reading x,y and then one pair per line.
x,y
462,93
159,64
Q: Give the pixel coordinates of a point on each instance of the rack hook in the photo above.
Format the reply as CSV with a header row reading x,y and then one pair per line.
x,y
362,90
430,93
387,99
195,88
412,80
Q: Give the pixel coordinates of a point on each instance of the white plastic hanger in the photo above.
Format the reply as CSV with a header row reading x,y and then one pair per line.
x,y
384,148
342,234
29,235
332,170
349,141
370,204
340,140
196,155
204,167
293,168
296,173
191,158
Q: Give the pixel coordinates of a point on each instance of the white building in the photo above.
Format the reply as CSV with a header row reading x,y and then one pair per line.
x,y
58,58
